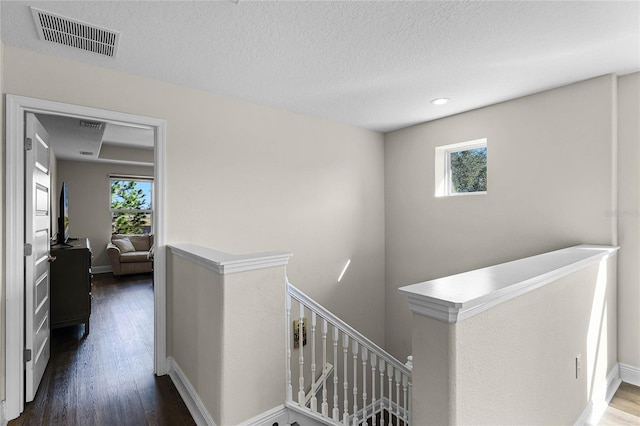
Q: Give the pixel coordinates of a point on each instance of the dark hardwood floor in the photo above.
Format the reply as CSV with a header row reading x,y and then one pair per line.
x,y
106,378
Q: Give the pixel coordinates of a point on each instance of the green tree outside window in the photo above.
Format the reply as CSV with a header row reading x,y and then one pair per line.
x,y
469,170
131,209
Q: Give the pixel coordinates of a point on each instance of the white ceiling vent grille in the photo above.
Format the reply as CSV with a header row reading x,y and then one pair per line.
x,y
91,124
73,33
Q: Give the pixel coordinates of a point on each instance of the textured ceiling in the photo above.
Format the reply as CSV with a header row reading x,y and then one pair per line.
x,y
370,64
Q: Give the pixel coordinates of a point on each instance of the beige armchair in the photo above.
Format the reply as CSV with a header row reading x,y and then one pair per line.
x,y
130,254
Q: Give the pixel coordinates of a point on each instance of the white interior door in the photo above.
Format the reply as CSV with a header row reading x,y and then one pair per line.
x,y
37,235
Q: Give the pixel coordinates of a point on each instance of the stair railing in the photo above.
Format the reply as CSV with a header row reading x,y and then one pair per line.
x,y
363,373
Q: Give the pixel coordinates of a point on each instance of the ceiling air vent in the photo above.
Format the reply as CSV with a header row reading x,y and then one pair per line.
x,y
91,124
73,33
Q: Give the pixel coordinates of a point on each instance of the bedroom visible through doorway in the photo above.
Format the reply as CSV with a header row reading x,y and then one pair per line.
x,y
16,109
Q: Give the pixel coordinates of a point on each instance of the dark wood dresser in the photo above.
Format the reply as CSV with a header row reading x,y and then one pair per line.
x,y
70,285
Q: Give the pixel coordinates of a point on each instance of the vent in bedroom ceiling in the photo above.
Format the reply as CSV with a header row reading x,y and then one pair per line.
x,y
96,125
73,33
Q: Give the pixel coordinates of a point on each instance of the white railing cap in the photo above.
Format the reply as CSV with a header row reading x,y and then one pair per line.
x,y
457,297
226,263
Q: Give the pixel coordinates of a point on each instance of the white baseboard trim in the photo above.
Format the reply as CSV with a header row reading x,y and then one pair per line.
x,y
189,395
279,415
630,374
600,399
101,269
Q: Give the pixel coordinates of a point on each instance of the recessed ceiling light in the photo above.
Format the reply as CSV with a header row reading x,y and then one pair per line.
x,y
440,101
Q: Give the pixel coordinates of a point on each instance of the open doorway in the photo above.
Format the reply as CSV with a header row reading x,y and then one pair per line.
x,y
16,108
87,157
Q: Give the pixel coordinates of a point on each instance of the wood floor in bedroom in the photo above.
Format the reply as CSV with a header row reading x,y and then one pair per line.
x,y
106,378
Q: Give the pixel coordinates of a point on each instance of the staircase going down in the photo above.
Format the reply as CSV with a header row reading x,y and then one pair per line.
x,y
341,377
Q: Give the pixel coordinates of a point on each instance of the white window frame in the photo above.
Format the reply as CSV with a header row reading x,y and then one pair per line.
x,y
443,166
133,211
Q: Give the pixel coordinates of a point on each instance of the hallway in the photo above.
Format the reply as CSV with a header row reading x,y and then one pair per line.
x,y
106,378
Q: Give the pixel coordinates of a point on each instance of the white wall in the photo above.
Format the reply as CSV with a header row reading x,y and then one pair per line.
x,y
90,199
227,336
244,178
629,219
514,364
549,186
196,328
247,178
2,274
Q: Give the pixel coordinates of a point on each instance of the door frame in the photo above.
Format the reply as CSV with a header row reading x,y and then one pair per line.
x,y
16,107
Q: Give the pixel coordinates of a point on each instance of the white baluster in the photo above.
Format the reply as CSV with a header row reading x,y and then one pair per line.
x,y
381,367
397,396
389,376
409,394
405,382
325,405
289,388
354,349
365,355
336,411
373,386
345,384
301,395
314,399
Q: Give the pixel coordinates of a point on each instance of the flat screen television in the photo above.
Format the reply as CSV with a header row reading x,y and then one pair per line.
x,y
63,217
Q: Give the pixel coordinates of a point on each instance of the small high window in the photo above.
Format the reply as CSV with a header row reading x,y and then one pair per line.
x,y
461,168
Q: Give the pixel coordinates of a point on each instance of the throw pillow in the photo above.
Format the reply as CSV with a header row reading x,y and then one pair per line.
x,y
124,244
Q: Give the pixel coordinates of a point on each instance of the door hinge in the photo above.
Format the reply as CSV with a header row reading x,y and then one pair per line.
x,y
28,249
28,144
27,355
